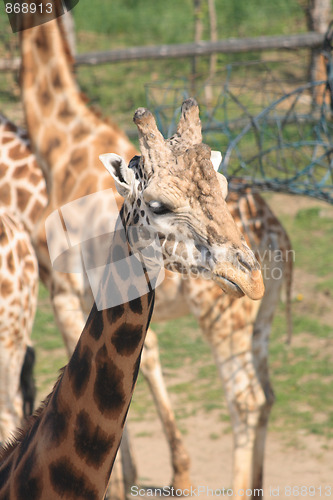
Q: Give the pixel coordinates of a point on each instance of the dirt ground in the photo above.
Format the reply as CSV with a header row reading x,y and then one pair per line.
x,y
307,462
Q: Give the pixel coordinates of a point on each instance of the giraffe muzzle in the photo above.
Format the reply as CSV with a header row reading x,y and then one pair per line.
x,y
240,276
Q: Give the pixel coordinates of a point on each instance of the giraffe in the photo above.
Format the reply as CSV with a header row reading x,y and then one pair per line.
x,y
18,293
23,197
67,136
172,191
238,332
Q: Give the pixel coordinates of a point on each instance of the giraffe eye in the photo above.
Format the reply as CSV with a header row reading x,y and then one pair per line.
x,y
158,208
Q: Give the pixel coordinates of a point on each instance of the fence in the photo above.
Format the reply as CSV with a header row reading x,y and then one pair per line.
x,y
309,40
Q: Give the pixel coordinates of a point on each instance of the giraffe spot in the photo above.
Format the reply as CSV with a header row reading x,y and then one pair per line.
x,y
5,194
3,235
55,423
91,443
52,145
6,288
126,339
3,169
36,178
108,388
28,485
66,183
56,81
122,268
79,369
135,304
136,218
112,288
10,263
42,42
36,211
44,97
79,157
115,313
18,152
65,112
96,323
22,249
23,197
69,482
80,132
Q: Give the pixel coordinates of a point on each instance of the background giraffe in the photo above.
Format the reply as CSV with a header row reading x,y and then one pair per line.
x,y
22,199
64,132
18,294
68,449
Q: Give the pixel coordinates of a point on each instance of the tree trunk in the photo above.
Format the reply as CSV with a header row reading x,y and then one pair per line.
x,y
198,32
213,57
318,14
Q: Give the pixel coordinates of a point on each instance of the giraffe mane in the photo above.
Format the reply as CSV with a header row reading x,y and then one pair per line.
x,y
16,439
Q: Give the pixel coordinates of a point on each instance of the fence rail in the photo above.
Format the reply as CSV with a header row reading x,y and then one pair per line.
x,y
308,40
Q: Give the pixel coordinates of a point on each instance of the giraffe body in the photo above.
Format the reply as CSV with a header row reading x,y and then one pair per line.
x,y
18,294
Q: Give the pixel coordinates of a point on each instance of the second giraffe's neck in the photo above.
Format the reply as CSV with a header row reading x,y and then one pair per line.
x,y
71,443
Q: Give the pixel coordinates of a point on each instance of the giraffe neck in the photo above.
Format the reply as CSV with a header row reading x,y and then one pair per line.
x,y
65,134
71,443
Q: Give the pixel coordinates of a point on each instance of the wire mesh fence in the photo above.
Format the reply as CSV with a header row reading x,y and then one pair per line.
x,y
274,130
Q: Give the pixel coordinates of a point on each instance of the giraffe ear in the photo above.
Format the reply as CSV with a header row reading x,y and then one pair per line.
x,y
123,176
216,158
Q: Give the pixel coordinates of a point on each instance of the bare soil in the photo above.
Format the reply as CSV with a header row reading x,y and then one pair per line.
x,y
291,461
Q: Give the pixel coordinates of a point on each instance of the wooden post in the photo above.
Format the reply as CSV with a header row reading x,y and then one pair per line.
x,y
198,31
318,14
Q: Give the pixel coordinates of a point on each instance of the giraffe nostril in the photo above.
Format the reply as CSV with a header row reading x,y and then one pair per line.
x,y
244,263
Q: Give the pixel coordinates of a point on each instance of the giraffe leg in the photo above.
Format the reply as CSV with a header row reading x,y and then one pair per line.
x,y
227,325
261,333
245,398
128,460
27,381
152,371
11,360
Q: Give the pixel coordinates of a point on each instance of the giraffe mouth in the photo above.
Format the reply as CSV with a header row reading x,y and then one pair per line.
x,y
228,286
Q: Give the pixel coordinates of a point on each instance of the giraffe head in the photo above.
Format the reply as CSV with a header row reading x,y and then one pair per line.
x,y
173,191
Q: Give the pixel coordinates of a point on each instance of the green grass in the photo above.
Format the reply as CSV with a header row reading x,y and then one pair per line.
x,y
50,351
312,234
